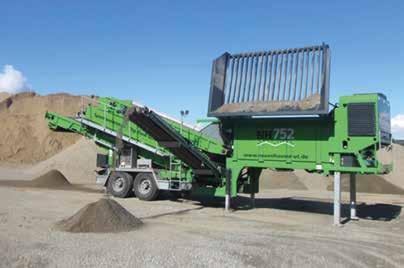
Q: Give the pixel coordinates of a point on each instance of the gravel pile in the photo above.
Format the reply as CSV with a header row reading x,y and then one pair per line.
x,y
280,180
77,162
104,216
52,179
368,184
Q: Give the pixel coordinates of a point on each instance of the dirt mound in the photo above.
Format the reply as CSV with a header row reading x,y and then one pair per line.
x,y
396,176
103,216
77,162
26,138
391,183
312,181
4,95
51,179
368,184
280,180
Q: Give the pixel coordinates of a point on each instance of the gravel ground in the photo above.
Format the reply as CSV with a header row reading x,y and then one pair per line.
x,y
287,229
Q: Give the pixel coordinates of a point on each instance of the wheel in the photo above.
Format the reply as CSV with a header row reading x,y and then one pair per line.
x,y
145,187
120,184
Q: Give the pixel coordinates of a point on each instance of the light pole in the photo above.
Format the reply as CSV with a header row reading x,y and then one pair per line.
x,y
183,114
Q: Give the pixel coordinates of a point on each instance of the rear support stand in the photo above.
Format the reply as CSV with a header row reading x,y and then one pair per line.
x,y
337,199
228,191
352,182
254,175
252,200
227,203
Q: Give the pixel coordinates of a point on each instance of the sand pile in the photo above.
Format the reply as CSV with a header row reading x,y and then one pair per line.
x,y
368,184
4,95
26,138
103,216
312,181
396,177
51,179
301,180
280,180
392,183
77,162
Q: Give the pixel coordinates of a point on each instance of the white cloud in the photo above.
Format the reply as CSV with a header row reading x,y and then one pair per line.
x,y
397,126
12,80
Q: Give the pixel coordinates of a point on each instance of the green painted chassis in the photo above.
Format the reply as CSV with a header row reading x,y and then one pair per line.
x,y
315,144
108,114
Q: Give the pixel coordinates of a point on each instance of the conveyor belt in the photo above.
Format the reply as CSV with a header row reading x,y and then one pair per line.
x,y
124,138
166,136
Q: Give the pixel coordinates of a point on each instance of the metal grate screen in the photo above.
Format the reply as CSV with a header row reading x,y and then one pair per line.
x,y
289,81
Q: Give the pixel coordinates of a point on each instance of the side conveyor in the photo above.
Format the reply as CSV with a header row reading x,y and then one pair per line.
x,y
81,126
166,136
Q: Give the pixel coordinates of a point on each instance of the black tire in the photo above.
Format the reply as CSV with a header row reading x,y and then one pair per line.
x,y
120,184
145,187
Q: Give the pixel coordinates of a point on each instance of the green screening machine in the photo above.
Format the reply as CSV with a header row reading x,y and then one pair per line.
x,y
271,110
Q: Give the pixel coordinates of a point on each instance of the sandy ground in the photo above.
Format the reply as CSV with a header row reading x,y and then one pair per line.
x,y
291,225
287,229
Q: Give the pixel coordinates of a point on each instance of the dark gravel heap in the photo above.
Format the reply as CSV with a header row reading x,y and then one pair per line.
x,y
104,216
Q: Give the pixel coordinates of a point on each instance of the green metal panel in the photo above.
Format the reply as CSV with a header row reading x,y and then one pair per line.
x,y
296,143
109,112
55,121
316,144
280,143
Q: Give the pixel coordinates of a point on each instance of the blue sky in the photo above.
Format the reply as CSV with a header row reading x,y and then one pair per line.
x,y
160,52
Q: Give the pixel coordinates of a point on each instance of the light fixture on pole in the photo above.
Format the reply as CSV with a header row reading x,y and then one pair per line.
x,y
183,114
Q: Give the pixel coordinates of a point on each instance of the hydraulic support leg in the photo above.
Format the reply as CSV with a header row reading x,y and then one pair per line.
x,y
337,198
254,174
252,200
227,202
352,182
228,191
